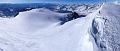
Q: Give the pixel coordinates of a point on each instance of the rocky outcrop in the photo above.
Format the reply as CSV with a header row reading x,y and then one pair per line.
x,y
70,17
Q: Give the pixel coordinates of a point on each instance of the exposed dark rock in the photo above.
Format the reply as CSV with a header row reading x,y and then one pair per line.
x,y
74,15
70,17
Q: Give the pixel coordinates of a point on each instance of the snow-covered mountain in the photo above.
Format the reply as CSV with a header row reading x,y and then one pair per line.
x,y
105,28
12,10
40,30
80,8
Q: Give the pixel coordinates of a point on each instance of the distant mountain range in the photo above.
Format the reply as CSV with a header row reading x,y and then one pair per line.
x,y
12,10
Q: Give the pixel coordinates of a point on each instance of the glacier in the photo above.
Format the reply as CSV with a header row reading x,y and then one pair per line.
x,y
40,30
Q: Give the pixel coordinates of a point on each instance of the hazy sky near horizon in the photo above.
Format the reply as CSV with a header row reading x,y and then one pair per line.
x,y
53,1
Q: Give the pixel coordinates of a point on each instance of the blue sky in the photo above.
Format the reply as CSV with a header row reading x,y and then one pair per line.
x,y
52,1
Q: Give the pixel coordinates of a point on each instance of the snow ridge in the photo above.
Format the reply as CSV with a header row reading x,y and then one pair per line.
x,y
26,33
103,27
39,30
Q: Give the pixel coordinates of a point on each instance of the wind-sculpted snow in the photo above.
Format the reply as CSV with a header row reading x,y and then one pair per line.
x,y
97,32
31,20
106,33
112,26
40,30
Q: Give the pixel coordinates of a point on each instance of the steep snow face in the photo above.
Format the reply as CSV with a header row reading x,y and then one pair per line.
x,y
39,30
112,26
105,28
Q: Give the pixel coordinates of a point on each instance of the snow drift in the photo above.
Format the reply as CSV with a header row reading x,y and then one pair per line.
x,y
29,21
40,30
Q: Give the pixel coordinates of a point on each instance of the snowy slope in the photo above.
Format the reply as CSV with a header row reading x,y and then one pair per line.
x,y
105,28
39,30
29,21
